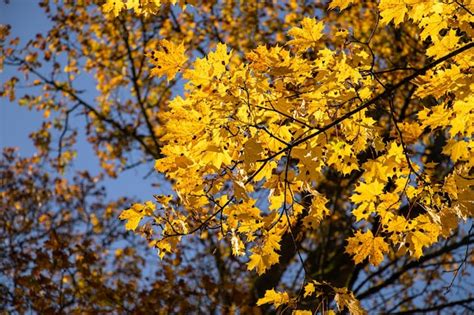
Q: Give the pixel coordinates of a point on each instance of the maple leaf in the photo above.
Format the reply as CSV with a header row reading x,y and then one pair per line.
x,y
258,262
423,232
439,48
432,25
416,241
215,155
457,150
345,298
388,201
162,246
219,59
140,7
419,9
144,6
363,211
275,298
364,245
136,213
276,200
437,83
396,152
168,61
394,223
306,36
375,169
392,10
317,211
310,288
265,256
434,117
448,218
367,192
464,117
411,131
342,4
465,186
206,70
115,6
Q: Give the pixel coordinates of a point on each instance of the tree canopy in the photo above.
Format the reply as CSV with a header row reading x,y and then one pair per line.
x,y
319,156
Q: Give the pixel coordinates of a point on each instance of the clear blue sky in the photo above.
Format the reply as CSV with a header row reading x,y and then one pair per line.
x,y
16,123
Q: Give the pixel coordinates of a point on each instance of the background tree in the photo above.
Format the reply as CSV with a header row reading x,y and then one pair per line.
x,y
320,155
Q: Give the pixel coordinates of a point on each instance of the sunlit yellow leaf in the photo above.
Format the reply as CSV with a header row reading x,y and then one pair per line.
x,y
168,60
365,245
275,298
310,32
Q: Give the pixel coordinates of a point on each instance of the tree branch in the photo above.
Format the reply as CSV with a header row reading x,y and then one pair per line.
x,y
89,107
414,264
436,307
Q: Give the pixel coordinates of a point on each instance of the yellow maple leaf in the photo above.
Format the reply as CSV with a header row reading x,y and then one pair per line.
x,y
342,4
163,247
207,70
437,83
395,224
261,262
133,218
345,298
367,192
464,117
375,170
416,241
448,218
317,211
114,6
275,298
423,232
442,47
364,245
276,200
169,60
392,10
306,36
309,289
363,211
465,194
411,131
434,117
457,150
432,25
144,7
219,59
140,7
265,256
136,213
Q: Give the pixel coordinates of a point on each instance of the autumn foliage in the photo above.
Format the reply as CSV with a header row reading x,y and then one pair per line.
x,y
319,154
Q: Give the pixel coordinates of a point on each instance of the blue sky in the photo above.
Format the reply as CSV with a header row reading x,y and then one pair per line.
x,y
16,123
